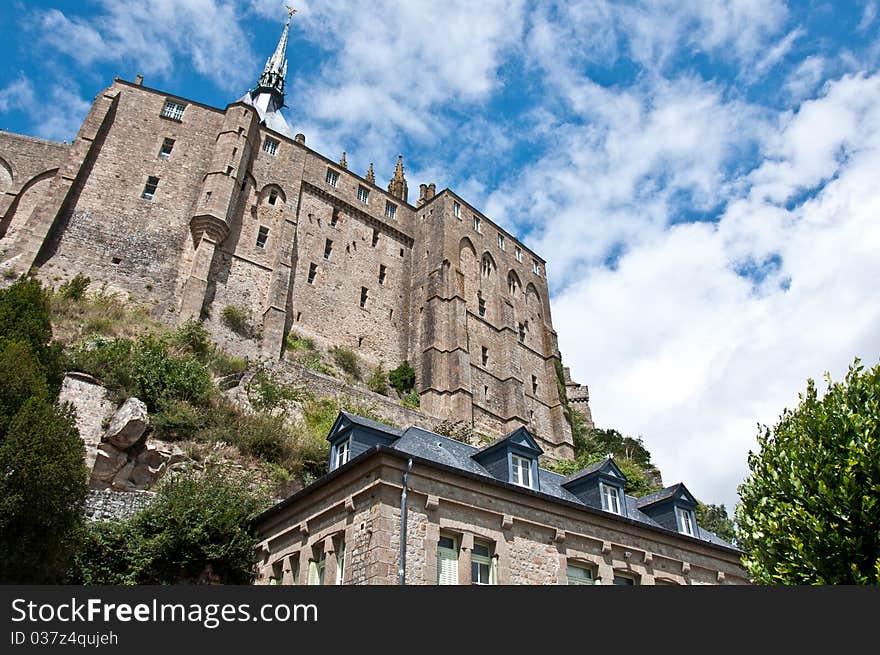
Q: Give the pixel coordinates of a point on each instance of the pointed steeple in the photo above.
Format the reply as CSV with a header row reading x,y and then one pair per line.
x,y
272,79
343,162
397,187
371,176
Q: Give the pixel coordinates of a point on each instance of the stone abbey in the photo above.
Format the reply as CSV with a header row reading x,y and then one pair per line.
x,y
195,209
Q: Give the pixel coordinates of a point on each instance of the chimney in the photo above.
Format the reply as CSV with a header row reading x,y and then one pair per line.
x,y
432,189
139,80
423,192
300,138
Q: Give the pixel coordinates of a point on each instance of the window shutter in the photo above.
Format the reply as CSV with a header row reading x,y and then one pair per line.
x,y
340,563
447,566
313,573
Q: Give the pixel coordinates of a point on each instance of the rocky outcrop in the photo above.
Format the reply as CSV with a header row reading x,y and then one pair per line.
x,y
128,424
93,407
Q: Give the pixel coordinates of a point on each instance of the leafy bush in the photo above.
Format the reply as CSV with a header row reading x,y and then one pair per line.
x,y
178,420
109,360
236,319
222,364
265,437
158,376
295,342
312,360
403,378
266,393
76,288
196,530
192,338
412,399
378,381
347,360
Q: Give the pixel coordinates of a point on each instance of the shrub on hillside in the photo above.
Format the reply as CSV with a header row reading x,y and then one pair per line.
x,y
236,319
403,378
378,381
76,288
347,360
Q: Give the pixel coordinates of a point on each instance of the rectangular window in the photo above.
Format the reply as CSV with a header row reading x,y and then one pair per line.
x,y
328,248
610,498
262,235
517,253
685,524
447,561
173,110
150,188
501,241
332,177
273,196
484,355
481,306
343,452
623,579
390,209
313,271
165,150
522,471
340,563
363,297
363,194
375,237
334,217
536,267
578,574
522,333
477,224
317,568
535,385
270,145
382,273
456,209
482,565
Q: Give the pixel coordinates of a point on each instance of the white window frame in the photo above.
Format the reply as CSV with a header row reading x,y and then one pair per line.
x,y
501,241
390,210
517,253
456,209
173,110
167,141
343,453
685,521
264,232
332,178
477,224
450,556
340,563
536,267
270,145
317,568
611,501
583,577
363,194
483,560
149,195
521,471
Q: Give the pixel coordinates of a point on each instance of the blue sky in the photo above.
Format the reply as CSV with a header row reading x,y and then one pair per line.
x,y
700,175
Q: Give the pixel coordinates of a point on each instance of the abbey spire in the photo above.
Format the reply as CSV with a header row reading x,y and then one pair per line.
x,y
397,187
268,96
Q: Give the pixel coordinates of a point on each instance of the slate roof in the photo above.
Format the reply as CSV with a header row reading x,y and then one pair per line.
x,y
433,447
657,496
369,423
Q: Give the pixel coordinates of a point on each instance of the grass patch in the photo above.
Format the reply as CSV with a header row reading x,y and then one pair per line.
x,y
347,360
237,319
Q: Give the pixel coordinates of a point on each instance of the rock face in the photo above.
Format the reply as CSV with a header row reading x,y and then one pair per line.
x,y
93,407
125,460
128,425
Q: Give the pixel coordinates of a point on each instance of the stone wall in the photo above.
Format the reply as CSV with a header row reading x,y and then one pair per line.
x,y
110,505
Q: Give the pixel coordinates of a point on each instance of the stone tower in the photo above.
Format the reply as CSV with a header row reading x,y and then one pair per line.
x,y
194,210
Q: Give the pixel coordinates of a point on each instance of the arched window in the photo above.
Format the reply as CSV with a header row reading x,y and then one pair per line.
x,y
487,266
513,284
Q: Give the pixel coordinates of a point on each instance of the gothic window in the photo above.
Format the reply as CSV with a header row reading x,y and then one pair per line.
x,y
487,266
173,110
363,194
150,188
512,286
273,196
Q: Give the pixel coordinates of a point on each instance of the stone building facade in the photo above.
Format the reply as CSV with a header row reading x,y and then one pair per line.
x,y
195,209
346,527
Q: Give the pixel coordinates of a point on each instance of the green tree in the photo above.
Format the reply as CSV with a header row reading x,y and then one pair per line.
x,y
809,512
715,518
403,378
197,529
43,483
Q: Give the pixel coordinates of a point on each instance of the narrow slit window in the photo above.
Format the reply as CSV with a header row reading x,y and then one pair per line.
x,y
334,217
375,237
501,241
208,195
313,271
150,188
522,333
484,355
328,248
262,235
517,253
167,147
534,384
382,273
363,297
481,306
477,222
456,209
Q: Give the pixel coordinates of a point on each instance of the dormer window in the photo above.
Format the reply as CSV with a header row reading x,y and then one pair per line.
x,y
343,453
610,498
685,521
521,471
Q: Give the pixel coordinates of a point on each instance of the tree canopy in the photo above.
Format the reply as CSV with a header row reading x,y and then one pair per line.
x,y
809,512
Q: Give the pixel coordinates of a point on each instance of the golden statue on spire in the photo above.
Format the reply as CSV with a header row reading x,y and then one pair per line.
x,y
290,11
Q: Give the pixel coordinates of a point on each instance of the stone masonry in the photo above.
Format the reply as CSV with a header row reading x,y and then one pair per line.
x,y
208,209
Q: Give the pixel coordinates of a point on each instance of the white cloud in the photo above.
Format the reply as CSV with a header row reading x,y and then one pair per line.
x,y
803,80
679,347
868,16
61,115
154,34
17,95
